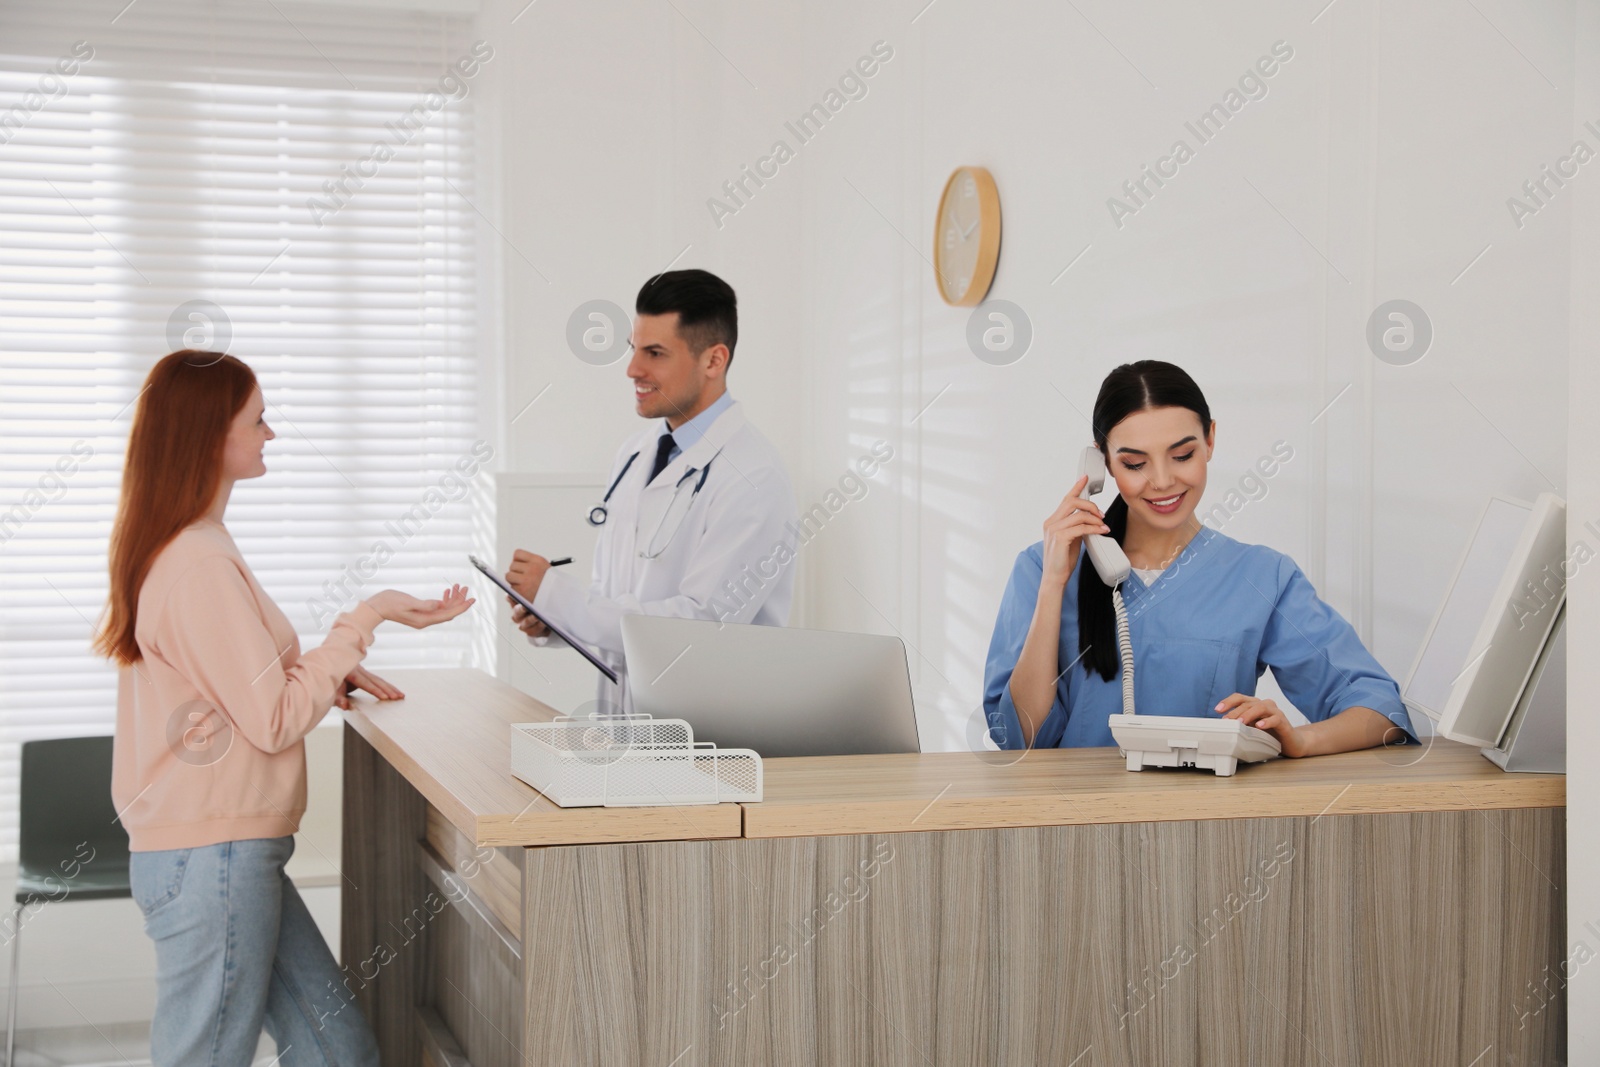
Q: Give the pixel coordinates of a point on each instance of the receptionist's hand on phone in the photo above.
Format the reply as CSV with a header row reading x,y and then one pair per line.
x,y
1073,520
1265,715
1038,669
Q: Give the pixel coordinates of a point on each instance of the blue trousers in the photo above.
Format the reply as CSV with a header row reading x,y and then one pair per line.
x,y
236,952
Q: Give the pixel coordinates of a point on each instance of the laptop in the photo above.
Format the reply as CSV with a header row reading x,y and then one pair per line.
x,y
775,689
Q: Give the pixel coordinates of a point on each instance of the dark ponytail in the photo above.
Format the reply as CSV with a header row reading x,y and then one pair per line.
x,y
1129,388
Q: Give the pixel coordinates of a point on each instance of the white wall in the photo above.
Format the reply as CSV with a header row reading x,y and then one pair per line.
x,y
617,120
1583,607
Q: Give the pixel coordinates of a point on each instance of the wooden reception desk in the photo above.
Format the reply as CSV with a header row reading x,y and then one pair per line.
x,y
1391,907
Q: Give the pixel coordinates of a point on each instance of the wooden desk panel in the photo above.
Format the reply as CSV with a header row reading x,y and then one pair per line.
x,y
1055,787
1365,941
451,739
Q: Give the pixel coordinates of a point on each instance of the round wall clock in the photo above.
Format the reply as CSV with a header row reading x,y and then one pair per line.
x,y
966,243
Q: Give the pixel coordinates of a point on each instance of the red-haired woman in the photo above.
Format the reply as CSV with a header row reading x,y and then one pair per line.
x,y
213,700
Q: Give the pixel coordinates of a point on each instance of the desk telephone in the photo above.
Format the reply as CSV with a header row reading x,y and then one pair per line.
x,y
1161,740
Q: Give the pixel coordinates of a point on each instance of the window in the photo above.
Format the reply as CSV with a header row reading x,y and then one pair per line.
x,y
297,192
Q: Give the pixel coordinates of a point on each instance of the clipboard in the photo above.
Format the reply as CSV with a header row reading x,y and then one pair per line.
x,y
599,665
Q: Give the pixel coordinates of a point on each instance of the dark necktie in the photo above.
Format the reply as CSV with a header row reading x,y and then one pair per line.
x,y
663,447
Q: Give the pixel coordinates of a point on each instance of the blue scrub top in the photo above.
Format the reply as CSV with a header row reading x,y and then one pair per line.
x,y
1210,625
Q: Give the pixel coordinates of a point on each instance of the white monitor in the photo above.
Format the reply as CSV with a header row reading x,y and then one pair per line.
x,y
1492,626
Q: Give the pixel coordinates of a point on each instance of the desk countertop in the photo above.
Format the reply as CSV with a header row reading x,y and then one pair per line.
x,y
450,738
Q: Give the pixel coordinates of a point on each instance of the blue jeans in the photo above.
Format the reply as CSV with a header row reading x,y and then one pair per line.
x,y
236,951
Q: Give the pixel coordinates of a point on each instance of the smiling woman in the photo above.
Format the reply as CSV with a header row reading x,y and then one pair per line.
x,y
1213,617
214,700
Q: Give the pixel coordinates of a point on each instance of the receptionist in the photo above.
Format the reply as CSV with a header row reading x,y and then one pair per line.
x,y
1207,614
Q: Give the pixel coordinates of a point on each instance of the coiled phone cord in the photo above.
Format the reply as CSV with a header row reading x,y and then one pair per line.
x,y
1125,649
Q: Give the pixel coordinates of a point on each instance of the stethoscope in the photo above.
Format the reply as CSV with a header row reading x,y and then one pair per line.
x,y
600,512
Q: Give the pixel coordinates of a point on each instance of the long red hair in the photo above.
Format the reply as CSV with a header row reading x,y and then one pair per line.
x,y
170,476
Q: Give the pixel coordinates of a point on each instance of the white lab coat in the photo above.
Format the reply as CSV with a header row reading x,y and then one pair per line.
x,y
732,558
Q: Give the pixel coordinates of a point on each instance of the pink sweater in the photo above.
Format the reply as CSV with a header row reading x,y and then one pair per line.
x,y
210,720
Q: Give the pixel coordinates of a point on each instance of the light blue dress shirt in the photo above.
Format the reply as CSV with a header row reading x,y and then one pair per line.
x,y
1212,623
690,432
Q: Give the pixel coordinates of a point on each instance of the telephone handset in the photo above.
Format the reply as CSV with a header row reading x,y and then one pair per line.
x,y
1110,562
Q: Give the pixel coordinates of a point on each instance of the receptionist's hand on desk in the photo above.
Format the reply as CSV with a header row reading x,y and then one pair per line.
x,y
1353,728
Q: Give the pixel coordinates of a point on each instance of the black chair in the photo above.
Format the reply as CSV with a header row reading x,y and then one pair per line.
x,y
71,844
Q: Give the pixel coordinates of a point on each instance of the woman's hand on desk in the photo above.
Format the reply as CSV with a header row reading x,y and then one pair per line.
x,y
1266,715
366,681
407,610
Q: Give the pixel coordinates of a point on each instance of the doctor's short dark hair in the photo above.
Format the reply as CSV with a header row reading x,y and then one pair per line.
x,y
708,310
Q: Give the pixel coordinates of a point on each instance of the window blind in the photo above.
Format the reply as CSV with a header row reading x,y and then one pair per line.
x,y
292,182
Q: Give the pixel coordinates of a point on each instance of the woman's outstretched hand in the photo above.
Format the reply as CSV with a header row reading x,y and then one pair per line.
x,y
407,610
1074,519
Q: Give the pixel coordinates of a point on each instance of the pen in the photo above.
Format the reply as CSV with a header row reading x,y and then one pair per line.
x,y
561,562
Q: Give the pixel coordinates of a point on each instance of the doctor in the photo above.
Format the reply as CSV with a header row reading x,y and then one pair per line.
x,y
693,523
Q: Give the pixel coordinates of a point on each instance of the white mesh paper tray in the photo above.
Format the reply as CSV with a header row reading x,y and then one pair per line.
x,y
630,761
